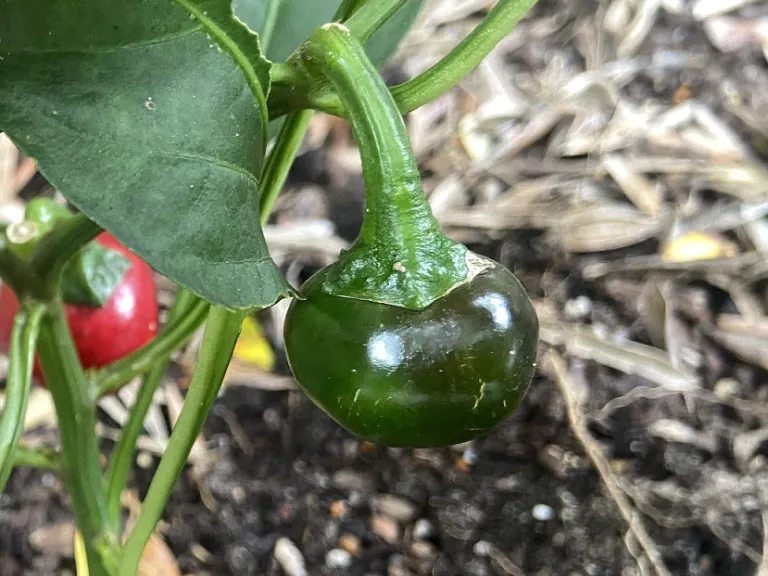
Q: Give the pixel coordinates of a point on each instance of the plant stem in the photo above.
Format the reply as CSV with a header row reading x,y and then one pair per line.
x,y
346,9
278,164
178,331
21,353
270,19
37,458
394,197
76,415
122,456
291,92
400,257
368,18
58,246
15,272
221,333
464,58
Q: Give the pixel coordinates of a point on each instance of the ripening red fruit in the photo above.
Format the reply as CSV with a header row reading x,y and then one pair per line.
x,y
102,335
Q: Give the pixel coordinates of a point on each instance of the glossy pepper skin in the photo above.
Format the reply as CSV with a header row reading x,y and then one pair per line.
x,y
102,335
398,377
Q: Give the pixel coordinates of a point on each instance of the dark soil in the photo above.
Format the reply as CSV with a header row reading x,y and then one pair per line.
x,y
525,499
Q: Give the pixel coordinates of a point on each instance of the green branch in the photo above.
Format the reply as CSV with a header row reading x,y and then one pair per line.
x,y
221,333
76,415
171,338
21,353
464,58
122,455
270,19
293,91
44,458
368,18
15,272
279,162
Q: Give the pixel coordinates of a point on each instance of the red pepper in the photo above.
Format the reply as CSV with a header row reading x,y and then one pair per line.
x,y
102,335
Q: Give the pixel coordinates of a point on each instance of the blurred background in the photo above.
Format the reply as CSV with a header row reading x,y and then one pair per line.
x,y
613,155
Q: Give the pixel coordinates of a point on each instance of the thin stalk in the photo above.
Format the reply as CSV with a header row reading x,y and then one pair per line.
x,y
278,164
290,91
44,458
270,19
21,353
293,130
16,273
396,208
221,332
178,331
464,58
76,415
368,18
122,456
346,9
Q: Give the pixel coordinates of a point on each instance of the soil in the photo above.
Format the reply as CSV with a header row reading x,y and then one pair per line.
x,y
523,500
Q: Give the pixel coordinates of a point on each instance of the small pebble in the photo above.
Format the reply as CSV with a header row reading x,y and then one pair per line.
x,y
543,513
144,460
397,566
238,494
726,388
423,550
462,465
350,543
289,557
559,539
577,308
200,553
470,456
350,448
347,479
508,483
394,506
386,528
356,498
338,558
272,419
423,529
339,509
482,548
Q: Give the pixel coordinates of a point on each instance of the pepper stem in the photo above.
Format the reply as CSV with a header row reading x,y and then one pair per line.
x,y
76,414
400,257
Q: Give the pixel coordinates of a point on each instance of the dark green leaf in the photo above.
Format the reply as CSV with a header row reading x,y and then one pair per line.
x,y
144,125
90,277
297,19
236,38
385,41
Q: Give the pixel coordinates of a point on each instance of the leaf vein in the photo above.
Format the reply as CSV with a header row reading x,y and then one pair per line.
x,y
215,162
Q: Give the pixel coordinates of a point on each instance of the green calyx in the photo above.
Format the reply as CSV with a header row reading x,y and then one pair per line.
x,y
90,278
401,257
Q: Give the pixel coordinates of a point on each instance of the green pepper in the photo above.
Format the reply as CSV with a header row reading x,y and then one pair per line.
x,y
409,339
401,377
